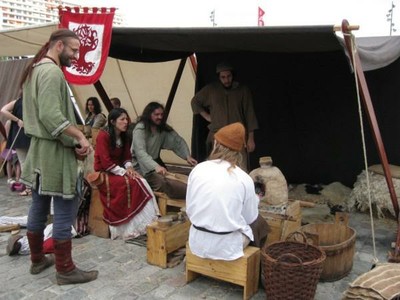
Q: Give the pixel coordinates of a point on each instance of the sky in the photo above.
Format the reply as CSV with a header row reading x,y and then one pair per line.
x,y
370,15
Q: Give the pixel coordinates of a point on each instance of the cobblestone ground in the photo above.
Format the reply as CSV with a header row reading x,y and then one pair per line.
x,y
125,274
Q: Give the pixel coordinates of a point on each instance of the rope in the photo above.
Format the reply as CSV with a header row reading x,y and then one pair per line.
x,y
126,87
9,150
353,51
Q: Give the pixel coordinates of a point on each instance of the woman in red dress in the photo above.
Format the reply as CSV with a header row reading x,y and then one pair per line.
x,y
128,201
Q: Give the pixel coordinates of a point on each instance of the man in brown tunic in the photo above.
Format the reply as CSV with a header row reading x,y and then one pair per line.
x,y
225,102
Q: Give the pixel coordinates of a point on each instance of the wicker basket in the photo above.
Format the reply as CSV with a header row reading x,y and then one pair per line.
x,y
291,269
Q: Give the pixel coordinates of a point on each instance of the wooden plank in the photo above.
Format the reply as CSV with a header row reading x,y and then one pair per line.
x,y
156,250
177,236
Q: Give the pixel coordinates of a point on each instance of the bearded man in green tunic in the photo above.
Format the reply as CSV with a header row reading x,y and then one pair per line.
x,y
50,168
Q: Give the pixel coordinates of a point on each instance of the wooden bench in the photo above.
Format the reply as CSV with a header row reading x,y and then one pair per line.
x,y
164,201
162,241
244,271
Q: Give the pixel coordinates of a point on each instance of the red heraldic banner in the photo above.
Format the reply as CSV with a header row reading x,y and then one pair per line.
x,y
94,29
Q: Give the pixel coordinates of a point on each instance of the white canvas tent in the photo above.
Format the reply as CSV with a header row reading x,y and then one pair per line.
x,y
134,83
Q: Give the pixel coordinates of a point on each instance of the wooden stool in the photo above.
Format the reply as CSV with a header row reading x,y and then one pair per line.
x,y
96,224
244,271
162,241
164,201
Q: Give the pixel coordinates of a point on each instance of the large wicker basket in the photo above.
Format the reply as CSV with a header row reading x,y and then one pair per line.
x,y
291,269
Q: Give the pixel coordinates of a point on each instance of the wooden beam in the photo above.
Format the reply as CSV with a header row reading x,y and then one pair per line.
x,y
103,95
174,87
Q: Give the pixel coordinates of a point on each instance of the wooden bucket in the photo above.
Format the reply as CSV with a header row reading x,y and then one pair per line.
x,y
338,242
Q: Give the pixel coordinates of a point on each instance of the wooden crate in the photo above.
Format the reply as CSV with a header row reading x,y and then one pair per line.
x,y
244,271
282,225
162,241
96,224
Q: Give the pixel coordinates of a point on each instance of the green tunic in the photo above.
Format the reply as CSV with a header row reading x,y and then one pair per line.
x,y
47,112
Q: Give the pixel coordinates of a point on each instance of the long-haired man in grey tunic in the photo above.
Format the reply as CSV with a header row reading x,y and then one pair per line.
x,y
151,134
50,168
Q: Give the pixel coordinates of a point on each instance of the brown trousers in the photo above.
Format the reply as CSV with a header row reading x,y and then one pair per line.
x,y
173,188
260,230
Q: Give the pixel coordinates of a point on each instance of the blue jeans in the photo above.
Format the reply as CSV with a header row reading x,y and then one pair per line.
x,y
65,211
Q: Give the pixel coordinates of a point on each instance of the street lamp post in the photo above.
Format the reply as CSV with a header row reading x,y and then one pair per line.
x,y
212,18
389,18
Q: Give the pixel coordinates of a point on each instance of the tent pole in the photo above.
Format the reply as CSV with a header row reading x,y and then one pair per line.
x,y
174,87
366,100
193,61
103,95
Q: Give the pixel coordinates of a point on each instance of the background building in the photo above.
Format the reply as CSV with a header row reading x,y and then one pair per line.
x,y
20,13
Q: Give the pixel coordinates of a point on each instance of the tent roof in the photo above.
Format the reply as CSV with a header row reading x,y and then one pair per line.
x,y
162,44
165,44
25,40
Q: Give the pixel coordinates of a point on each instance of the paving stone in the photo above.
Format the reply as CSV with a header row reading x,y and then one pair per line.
x,y
12,295
42,295
73,294
163,291
144,287
124,296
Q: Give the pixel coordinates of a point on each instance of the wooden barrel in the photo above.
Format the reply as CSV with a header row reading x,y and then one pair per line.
x,y
338,242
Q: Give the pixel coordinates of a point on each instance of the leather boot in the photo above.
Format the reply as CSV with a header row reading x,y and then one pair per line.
x,y
40,262
13,246
76,276
67,273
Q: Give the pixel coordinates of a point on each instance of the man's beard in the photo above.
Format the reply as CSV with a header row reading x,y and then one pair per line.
x,y
227,87
156,124
65,61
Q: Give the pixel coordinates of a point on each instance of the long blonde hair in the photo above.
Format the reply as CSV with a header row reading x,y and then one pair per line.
x,y
224,153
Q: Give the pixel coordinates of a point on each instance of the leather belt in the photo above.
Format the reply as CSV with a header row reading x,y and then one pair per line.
x,y
210,231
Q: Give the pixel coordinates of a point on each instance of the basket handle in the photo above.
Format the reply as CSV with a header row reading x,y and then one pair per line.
x,y
298,232
279,259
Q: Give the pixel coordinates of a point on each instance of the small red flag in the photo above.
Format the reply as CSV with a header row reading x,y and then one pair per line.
x,y
261,14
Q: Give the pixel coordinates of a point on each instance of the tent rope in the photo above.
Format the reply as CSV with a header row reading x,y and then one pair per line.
x,y
353,50
126,87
